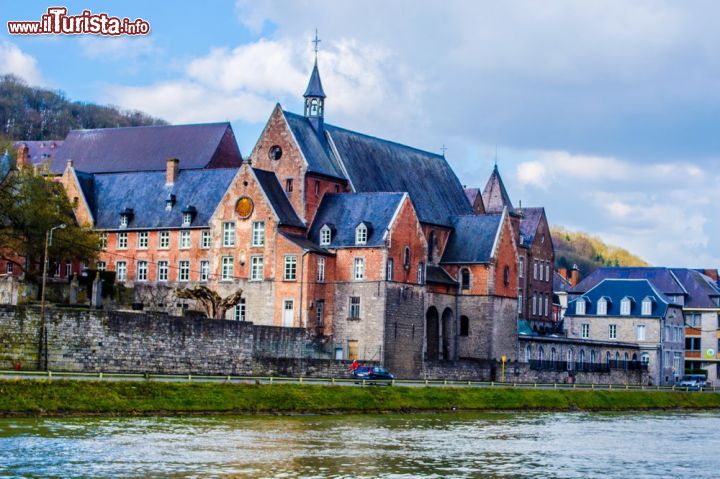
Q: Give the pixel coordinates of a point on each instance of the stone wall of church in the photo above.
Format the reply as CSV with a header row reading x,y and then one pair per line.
x,y
365,335
404,329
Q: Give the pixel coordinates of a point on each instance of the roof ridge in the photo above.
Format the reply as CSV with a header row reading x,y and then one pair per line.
x,y
146,126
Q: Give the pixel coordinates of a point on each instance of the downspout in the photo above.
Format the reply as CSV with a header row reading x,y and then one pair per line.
x,y
303,322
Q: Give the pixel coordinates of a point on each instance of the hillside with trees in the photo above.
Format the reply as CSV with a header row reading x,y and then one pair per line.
x,y
588,252
31,113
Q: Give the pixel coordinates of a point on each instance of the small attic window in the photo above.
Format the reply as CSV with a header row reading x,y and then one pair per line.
x,y
188,214
647,306
169,202
325,235
275,152
625,305
125,217
187,219
580,307
602,307
361,234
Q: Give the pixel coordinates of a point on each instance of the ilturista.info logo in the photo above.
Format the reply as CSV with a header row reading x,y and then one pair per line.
x,y
56,21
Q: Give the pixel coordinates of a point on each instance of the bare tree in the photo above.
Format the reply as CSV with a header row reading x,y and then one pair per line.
x,y
215,306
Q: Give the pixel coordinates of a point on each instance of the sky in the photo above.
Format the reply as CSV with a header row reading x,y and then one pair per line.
x,y
606,113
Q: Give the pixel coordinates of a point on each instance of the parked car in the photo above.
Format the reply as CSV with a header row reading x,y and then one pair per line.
x,y
693,382
372,373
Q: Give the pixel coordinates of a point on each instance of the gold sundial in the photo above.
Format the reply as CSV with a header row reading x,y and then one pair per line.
x,y
244,207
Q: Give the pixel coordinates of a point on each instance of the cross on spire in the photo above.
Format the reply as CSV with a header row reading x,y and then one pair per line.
x,y
443,149
316,41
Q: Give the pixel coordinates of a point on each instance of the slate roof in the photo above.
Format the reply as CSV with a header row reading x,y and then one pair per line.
x,y
305,243
495,196
529,223
662,278
314,146
314,87
702,290
560,283
375,165
345,211
142,148
617,289
145,192
277,198
41,151
437,275
472,239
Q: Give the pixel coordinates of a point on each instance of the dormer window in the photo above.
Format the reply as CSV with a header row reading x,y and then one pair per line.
x,y
188,214
580,307
187,219
625,306
361,234
602,307
647,306
169,202
325,235
124,220
125,217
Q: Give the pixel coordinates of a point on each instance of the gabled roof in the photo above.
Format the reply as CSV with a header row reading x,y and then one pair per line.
x,y
277,198
618,289
305,243
529,222
145,192
344,211
376,165
560,283
314,146
314,87
495,196
437,275
41,151
662,278
702,291
472,239
146,148
474,196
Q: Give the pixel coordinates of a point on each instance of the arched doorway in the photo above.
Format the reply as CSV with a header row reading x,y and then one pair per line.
x,y
448,321
432,333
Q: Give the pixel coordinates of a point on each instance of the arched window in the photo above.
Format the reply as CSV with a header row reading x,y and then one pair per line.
x,y
528,353
581,359
541,356
617,360
421,273
625,362
465,278
645,358
506,275
570,359
464,326
607,359
406,259
325,235
431,246
314,107
552,357
361,234
592,357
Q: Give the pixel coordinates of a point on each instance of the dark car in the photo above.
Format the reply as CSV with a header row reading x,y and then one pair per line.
x,y
372,373
693,382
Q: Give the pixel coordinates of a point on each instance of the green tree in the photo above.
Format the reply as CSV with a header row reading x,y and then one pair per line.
x,y
31,204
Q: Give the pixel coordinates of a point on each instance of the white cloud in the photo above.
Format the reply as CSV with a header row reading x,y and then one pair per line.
x,y
15,61
116,48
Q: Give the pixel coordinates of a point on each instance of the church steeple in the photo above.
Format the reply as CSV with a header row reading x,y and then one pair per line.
x,y
314,94
495,196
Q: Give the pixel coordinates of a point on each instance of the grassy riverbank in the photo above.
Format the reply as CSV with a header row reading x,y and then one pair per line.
x,y
58,397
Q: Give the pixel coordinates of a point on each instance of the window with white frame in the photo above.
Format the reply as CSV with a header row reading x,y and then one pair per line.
x,y
389,269
256,268
359,269
142,271
361,234
528,353
547,272
646,307
204,270
8,267
100,265
162,271
184,270
185,239
227,268
521,267
228,234
142,239
124,220
534,303
612,331
68,270
421,273
602,307
325,235
320,312
258,233
121,270
164,240
290,268
585,330
122,241
641,332
321,270
547,304
240,310
625,307
187,219
535,269
354,307
103,240
580,307
520,301
205,239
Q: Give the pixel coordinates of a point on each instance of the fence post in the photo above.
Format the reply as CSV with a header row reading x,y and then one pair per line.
x,y
100,375
301,379
363,383
333,381
49,373
189,377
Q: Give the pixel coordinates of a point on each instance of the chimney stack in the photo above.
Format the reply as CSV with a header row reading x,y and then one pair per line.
x,y
574,276
563,272
69,164
171,171
23,156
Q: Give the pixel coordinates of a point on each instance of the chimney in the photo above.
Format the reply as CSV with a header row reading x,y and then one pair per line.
x,y
23,156
69,164
574,276
711,273
171,171
563,272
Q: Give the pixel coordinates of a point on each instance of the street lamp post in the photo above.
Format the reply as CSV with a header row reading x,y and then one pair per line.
x,y
43,356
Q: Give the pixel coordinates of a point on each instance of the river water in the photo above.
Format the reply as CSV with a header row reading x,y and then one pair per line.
x,y
462,445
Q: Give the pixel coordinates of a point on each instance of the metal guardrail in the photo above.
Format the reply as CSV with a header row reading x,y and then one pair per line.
x,y
338,381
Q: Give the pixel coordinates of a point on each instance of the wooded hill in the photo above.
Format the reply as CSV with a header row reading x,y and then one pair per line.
x,y
31,113
588,252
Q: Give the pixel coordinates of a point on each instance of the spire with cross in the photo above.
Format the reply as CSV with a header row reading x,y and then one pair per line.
x,y
316,41
314,94
443,149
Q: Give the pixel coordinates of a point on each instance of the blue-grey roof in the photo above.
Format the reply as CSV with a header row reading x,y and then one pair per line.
x,y
702,291
277,197
437,275
472,239
662,278
305,243
375,165
40,151
145,193
146,148
314,87
495,196
314,146
616,290
530,221
345,211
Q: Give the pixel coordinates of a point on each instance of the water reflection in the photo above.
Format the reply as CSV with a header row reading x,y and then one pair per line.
x,y
393,446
